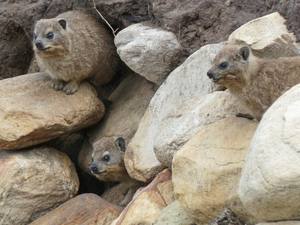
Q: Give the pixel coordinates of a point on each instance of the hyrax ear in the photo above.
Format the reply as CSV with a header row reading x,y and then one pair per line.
x,y
63,23
120,142
245,52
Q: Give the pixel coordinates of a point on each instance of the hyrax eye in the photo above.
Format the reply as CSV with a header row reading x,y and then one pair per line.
x,y
223,65
50,35
106,158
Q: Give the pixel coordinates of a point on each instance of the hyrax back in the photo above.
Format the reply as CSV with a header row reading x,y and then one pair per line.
x,y
256,82
72,47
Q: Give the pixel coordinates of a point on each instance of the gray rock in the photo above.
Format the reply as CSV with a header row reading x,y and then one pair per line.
x,y
270,186
150,52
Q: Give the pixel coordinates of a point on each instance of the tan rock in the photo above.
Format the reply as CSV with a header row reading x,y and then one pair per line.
x,y
33,182
268,37
185,82
270,186
281,223
207,170
183,122
147,205
129,102
87,209
32,112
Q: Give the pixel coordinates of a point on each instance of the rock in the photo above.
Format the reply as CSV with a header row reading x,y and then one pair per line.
x,y
269,188
186,82
129,102
27,115
207,170
150,52
183,122
33,182
281,223
145,207
83,209
267,36
173,214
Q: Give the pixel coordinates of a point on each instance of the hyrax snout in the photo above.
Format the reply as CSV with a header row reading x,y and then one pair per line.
x,y
72,47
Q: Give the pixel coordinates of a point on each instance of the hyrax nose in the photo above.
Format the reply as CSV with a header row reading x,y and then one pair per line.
x,y
39,44
93,168
210,74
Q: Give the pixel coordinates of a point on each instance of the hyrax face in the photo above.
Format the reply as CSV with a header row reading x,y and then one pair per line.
x,y
108,159
229,66
49,38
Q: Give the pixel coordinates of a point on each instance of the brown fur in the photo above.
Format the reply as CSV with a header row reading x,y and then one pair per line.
x,y
108,165
82,49
256,82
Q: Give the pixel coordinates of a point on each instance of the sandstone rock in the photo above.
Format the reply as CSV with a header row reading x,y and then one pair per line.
x,y
281,223
129,102
269,188
145,208
207,170
267,36
32,112
183,122
33,182
84,209
173,214
186,82
150,52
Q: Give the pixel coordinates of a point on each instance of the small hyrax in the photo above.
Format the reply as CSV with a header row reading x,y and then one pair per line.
x,y
108,165
256,82
72,47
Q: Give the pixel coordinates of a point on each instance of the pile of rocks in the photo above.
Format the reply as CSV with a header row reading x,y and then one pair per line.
x,y
184,139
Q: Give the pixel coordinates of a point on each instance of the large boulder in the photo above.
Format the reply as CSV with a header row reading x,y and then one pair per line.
x,y
184,121
33,182
270,185
32,112
208,168
186,82
84,209
150,52
268,37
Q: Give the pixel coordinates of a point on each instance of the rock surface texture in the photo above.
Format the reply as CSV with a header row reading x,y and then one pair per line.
x,y
33,182
183,122
84,209
269,187
32,112
150,52
207,170
268,43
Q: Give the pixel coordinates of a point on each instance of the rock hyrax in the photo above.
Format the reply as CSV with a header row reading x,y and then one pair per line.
x,y
108,165
72,47
256,82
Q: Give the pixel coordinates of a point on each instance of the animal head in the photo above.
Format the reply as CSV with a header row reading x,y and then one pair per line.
x,y
108,159
230,66
49,37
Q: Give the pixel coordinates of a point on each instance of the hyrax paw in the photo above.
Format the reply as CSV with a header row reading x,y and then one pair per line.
x,y
71,87
57,84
